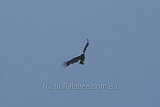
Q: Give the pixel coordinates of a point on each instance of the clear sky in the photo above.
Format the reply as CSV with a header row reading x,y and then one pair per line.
x,y
36,36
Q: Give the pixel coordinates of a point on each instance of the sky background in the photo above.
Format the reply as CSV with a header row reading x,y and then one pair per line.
x,y
36,36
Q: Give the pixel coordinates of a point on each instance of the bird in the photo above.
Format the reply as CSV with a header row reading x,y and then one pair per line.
x,y
80,58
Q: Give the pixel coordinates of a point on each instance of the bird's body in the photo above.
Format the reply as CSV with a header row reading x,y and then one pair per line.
x,y
80,58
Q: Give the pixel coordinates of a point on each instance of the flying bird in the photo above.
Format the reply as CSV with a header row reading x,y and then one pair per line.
x,y
80,58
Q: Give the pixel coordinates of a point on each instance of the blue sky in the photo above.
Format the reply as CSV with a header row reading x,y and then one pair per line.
x,y
36,36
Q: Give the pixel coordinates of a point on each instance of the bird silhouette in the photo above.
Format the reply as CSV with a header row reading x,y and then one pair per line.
x,y
80,58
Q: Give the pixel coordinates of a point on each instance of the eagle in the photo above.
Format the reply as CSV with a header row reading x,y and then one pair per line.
x,y
80,58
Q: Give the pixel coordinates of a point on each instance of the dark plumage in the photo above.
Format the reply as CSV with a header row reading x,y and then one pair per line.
x,y
80,58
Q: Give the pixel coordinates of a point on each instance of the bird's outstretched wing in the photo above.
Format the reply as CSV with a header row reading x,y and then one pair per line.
x,y
72,61
86,46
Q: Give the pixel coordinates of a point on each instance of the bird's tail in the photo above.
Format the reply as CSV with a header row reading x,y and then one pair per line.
x,y
81,62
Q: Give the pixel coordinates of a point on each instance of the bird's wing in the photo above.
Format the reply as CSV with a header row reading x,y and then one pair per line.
x,y
86,46
72,61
